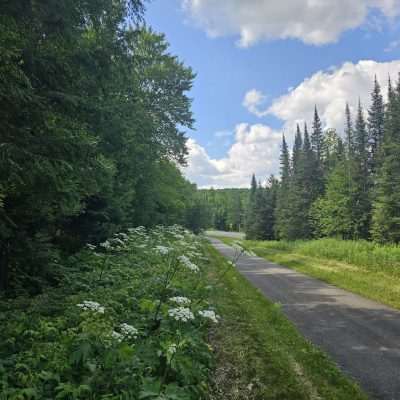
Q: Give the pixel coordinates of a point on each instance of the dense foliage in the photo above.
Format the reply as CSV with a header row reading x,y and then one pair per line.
x,y
224,209
92,108
130,322
332,185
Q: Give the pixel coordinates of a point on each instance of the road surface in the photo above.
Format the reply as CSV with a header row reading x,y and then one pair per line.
x,y
234,235
362,336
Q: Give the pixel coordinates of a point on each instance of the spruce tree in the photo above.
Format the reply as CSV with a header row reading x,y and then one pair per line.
x,y
348,131
317,137
251,209
376,116
360,177
386,206
297,151
283,211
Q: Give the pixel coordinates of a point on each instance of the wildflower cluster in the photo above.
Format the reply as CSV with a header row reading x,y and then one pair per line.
x,y
144,322
209,314
180,300
128,331
91,306
181,314
188,264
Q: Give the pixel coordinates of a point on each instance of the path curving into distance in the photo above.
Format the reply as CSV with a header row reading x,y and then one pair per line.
x,y
362,336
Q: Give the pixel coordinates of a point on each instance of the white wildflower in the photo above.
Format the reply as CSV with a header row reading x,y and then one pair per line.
x,y
188,264
129,331
163,250
210,314
181,314
91,306
106,245
184,301
117,336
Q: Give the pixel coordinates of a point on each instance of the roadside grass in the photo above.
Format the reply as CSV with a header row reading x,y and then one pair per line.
x,y
365,268
259,353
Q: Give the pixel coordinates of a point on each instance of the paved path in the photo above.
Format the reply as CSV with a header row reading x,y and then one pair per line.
x,y
362,336
234,235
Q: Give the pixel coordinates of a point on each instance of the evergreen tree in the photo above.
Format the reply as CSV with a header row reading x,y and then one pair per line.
x,y
386,206
297,152
283,210
333,212
360,177
253,202
317,138
349,131
376,117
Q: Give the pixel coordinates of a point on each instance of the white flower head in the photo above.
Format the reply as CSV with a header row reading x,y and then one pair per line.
x,y
163,250
91,306
183,301
128,331
181,314
106,245
188,264
117,336
209,314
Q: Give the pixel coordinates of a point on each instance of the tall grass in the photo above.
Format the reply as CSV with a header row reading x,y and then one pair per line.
x,y
356,252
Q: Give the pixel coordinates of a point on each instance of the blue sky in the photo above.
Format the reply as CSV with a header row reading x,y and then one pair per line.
x,y
307,56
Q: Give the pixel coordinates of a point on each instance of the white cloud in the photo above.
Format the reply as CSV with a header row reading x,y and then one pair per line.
x,y
330,90
314,22
253,99
254,151
256,148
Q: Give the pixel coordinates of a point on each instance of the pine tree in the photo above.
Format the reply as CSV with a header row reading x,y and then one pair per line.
x,y
386,206
297,151
333,212
349,131
283,211
361,142
376,117
317,137
360,177
251,209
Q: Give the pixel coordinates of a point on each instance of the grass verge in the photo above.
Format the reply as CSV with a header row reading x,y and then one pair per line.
x,y
260,354
365,268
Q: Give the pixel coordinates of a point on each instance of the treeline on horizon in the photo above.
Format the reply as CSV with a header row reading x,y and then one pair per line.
x,y
222,209
92,107
332,187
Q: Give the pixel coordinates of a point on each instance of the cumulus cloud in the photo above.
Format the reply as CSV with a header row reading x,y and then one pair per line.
x,y
253,99
254,151
256,147
330,90
315,22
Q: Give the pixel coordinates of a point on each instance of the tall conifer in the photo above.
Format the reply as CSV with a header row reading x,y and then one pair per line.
x,y
376,117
